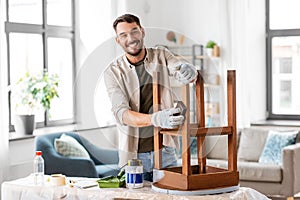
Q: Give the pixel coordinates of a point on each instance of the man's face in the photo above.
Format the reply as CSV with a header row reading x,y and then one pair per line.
x,y
130,37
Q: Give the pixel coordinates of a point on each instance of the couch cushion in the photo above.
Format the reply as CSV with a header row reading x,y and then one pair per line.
x,y
217,146
252,141
70,147
252,171
276,141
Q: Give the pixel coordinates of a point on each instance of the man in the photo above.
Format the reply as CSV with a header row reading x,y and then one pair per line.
x,y
128,81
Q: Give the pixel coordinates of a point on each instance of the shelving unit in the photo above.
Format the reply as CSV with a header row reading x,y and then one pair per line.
x,y
214,84
213,75
193,54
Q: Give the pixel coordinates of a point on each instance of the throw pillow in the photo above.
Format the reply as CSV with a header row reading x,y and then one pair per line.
x,y
70,147
276,141
252,143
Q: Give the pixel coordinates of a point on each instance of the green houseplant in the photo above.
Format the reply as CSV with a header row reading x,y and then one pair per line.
x,y
209,47
31,93
210,44
212,49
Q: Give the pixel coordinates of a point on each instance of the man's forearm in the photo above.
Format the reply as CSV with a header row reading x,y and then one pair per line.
x,y
136,119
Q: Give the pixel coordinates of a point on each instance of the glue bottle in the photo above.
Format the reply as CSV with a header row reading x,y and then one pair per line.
x,y
134,174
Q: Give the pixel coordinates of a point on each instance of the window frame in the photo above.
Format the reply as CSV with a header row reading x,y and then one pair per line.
x,y
270,34
46,31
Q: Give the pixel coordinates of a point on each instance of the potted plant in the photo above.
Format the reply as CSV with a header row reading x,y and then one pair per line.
x,y
209,47
32,92
212,49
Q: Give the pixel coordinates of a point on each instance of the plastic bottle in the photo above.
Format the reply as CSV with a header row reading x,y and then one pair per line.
x,y
38,169
134,174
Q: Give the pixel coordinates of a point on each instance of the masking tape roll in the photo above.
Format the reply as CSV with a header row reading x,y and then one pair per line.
x,y
58,180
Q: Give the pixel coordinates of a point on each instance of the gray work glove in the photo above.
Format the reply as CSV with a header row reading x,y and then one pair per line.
x,y
186,74
166,119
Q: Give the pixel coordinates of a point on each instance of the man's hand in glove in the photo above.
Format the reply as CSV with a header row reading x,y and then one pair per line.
x,y
186,74
166,119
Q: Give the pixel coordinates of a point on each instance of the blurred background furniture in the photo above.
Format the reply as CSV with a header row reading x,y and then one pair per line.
x,y
100,163
271,179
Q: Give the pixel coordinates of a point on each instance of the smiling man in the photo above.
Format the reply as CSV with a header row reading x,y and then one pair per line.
x,y
128,82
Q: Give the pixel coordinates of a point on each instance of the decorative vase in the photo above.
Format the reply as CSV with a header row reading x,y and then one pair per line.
x,y
24,124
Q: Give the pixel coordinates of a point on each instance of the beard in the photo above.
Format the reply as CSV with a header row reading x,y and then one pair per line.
x,y
136,51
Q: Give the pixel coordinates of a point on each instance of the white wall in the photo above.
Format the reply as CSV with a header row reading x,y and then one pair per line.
x,y
196,19
21,163
257,60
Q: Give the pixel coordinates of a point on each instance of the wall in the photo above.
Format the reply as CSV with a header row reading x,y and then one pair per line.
x,y
21,158
257,61
187,17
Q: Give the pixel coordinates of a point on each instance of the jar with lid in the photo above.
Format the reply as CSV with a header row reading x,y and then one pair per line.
x,y
134,174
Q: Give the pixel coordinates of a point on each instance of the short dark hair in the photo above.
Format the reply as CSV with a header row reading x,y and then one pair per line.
x,y
129,18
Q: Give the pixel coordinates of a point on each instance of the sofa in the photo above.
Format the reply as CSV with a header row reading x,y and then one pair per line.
x,y
272,178
73,155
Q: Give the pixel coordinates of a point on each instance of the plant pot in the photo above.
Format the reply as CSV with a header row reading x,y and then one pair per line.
x,y
24,124
209,51
216,51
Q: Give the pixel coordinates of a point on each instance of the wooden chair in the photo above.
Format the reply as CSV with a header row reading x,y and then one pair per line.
x,y
201,176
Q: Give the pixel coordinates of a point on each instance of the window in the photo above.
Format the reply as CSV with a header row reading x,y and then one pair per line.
x,y
40,37
283,59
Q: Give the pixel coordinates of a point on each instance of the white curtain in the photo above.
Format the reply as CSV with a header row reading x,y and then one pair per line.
x,y
234,39
4,140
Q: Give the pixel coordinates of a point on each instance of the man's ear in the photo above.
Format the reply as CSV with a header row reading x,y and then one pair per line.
x,y
143,32
117,40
